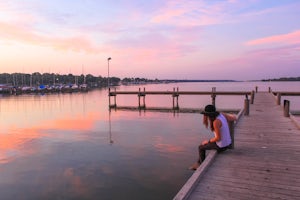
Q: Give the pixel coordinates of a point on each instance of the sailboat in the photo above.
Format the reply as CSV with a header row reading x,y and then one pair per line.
x,y
75,87
84,86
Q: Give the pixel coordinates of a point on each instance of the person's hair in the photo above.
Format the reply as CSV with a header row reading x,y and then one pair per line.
x,y
208,121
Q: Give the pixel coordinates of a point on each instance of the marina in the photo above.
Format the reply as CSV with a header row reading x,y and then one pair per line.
x,y
42,89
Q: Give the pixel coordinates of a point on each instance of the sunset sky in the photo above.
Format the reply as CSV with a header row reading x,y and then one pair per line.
x,y
170,39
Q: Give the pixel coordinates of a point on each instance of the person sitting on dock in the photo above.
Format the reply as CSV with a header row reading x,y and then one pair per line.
x,y
218,123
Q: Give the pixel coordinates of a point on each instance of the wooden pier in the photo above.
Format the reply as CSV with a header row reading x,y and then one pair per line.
x,y
141,94
265,163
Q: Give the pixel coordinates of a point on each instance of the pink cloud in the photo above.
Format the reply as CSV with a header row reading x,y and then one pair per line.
x,y
263,63
155,44
167,15
23,34
289,38
197,13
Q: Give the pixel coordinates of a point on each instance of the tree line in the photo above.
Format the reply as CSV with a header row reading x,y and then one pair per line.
x,y
36,79
283,79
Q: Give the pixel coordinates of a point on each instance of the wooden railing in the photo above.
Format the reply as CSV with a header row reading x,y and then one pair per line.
x,y
286,103
281,93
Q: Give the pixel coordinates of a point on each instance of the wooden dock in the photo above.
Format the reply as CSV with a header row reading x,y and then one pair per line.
x,y
141,94
265,163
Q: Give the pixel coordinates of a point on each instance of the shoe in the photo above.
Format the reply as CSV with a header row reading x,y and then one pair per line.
x,y
194,166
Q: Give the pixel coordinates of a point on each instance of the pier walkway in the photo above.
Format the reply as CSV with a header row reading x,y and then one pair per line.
x,y
265,163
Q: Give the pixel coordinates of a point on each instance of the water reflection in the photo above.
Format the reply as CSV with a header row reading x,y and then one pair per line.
x,y
110,134
62,151
71,146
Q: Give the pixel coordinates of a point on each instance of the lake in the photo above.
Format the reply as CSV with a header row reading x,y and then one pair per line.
x,y
70,146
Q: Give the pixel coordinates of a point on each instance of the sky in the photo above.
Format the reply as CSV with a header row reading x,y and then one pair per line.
x,y
170,39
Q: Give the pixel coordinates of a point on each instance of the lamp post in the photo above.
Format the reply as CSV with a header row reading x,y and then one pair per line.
x,y
108,59
108,84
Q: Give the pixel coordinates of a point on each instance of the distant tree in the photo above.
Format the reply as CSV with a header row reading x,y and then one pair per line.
x,y
36,79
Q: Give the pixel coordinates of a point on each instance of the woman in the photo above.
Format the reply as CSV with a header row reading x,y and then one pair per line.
x,y
218,123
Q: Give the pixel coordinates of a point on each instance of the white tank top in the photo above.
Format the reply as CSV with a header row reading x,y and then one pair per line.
x,y
224,132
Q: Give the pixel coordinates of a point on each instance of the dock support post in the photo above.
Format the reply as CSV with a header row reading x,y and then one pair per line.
x,y
115,99
213,96
175,95
246,106
252,97
109,101
278,98
173,98
109,97
270,90
256,89
231,129
286,108
144,98
142,94
139,96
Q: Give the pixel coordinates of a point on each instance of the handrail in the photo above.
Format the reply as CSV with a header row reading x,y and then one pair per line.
x,y
283,93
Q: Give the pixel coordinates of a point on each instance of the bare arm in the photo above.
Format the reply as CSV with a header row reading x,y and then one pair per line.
x,y
230,117
217,126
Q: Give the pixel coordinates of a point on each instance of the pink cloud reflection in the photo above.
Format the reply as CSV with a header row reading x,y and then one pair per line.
x,y
15,141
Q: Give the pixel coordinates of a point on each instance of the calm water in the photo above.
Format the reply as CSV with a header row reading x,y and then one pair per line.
x,y
69,146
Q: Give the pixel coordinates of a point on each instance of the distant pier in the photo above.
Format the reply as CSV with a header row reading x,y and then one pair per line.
x,y
141,97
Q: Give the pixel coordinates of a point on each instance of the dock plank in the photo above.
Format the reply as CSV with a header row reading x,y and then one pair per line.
x,y
265,163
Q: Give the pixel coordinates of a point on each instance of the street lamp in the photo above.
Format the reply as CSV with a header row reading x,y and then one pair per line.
x,y
108,59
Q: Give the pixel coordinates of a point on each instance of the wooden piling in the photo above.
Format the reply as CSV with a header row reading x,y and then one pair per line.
x,y
286,108
246,107
175,96
109,100
278,98
213,96
252,97
139,97
115,99
141,94
231,129
109,97
144,98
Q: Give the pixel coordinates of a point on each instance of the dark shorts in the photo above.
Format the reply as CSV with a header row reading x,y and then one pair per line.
x,y
209,146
